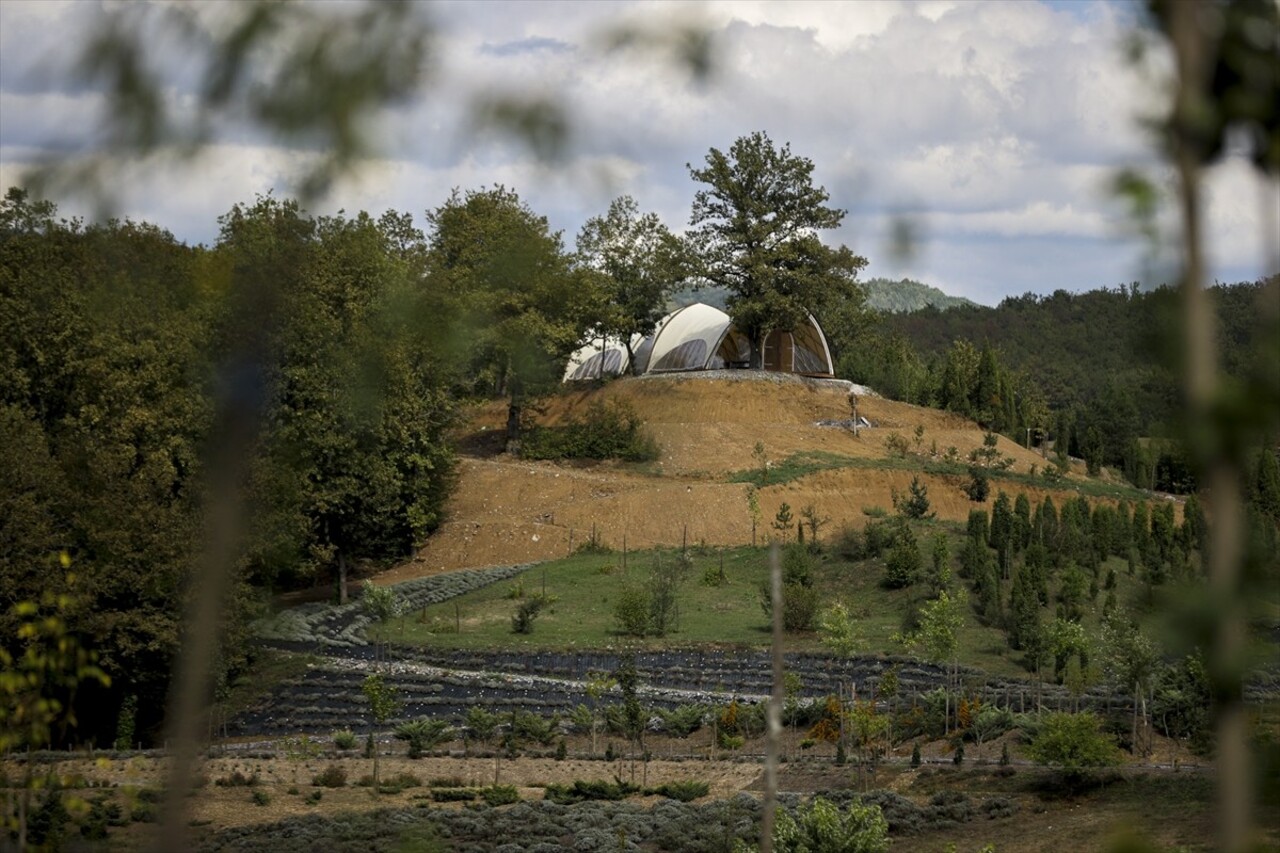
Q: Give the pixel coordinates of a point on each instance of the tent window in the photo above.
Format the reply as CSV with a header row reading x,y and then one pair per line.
x,y
810,357
690,355
591,368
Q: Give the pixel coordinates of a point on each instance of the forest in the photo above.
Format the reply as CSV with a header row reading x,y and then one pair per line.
x,y
1096,374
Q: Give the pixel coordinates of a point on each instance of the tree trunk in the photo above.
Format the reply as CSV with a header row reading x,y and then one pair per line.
x,y
757,353
1133,734
342,577
513,424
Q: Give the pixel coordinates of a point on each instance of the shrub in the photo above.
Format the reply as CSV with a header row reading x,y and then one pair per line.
x,y
979,486
877,536
404,780
631,610
332,776
915,755
446,782
146,812
345,739
481,724
821,826
423,734
314,798
902,566
581,791
500,795
454,795
896,445
528,726
916,504
1073,743
236,780
685,790
527,611
682,720
261,797
606,431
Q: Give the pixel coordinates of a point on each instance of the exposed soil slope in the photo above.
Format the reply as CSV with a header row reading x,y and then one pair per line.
x,y
507,510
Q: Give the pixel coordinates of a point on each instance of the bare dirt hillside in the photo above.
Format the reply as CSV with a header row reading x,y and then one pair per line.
x,y
508,510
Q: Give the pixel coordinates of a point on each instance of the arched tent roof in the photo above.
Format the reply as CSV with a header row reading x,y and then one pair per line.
x,y
599,357
702,337
687,339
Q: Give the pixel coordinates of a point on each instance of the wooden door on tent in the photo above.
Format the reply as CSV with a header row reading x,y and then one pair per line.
x,y
779,352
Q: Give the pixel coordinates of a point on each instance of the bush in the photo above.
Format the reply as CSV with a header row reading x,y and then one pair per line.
x,y
423,734
877,536
631,610
682,720
979,486
581,791
313,798
404,780
454,795
902,566
528,726
146,812
446,782
1073,743
606,431
261,797
332,776
236,780
916,504
526,612
686,790
821,826
500,795
345,739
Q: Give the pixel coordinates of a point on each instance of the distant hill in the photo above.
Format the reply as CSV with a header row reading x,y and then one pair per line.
x,y
901,297
892,297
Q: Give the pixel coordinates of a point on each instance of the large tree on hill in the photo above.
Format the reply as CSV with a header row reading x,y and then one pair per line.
x,y
638,263
523,306
755,232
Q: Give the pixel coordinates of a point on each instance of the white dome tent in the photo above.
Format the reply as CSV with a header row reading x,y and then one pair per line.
x,y
701,337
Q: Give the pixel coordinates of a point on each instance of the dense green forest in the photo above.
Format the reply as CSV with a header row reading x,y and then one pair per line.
x,y
1099,371
126,356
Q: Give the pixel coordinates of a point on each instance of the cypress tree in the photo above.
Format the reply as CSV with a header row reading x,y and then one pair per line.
x,y
1266,489
1022,514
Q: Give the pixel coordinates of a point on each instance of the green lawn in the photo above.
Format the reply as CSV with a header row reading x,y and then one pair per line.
x,y
586,589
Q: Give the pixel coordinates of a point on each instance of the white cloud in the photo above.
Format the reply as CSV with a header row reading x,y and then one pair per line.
x,y
995,124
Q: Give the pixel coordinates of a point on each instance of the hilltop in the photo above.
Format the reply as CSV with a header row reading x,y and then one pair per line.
x,y
509,510
906,295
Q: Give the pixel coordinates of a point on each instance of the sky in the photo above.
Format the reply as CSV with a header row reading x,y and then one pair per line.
x,y
992,129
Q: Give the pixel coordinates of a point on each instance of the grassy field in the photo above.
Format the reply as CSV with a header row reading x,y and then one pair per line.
x,y
586,587
800,465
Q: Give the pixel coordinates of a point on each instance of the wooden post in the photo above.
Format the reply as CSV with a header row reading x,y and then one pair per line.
x,y
624,552
684,539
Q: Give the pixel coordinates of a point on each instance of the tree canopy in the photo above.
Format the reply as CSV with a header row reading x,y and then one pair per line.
x,y
639,263
754,231
519,304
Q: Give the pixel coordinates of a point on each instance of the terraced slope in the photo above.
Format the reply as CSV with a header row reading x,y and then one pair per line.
x,y
507,510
